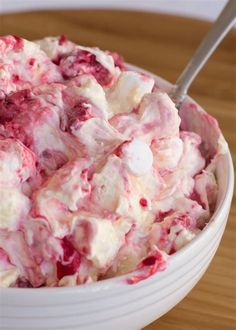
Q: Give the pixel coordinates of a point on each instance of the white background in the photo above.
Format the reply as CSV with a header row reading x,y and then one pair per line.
x,y
204,9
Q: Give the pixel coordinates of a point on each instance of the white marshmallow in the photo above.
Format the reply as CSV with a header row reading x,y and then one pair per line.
x,y
128,92
138,157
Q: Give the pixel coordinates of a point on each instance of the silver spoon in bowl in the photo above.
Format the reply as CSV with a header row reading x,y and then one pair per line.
x,y
212,39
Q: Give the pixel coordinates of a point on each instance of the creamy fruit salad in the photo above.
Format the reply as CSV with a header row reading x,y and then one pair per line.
x,y
99,175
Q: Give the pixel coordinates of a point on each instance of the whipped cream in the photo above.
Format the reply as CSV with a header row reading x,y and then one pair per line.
x,y
14,207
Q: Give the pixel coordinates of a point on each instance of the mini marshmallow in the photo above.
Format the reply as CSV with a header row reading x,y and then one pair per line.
x,y
137,156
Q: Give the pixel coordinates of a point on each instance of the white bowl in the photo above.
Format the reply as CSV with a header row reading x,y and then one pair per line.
x,y
112,304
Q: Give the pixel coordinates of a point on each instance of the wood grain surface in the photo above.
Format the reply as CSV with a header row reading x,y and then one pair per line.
x,y
163,44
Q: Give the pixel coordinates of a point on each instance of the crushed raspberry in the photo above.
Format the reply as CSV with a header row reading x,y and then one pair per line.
x,y
84,174
184,220
11,43
84,62
23,283
20,96
143,202
68,248
15,130
118,60
196,197
149,266
163,214
71,260
172,251
19,43
150,261
118,150
11,105
135,110
80,112
15,78
62,39
31,61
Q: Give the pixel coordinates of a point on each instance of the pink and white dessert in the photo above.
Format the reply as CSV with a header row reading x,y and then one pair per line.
x,y
99,175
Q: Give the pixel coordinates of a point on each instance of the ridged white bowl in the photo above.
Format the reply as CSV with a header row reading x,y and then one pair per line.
x,y
112,304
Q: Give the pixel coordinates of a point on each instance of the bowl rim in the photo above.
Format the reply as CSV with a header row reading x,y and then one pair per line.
x,y
107,284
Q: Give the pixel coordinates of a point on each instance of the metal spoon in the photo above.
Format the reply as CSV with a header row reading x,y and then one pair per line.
x,y
220,28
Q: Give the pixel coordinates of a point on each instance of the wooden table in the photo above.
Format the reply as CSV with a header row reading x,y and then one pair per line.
x,y
163,44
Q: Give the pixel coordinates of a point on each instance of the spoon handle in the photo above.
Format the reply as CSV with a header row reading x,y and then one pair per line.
x,y
219,29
